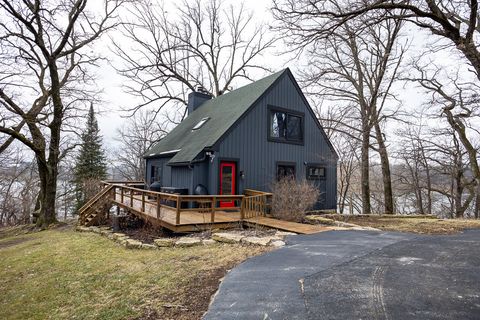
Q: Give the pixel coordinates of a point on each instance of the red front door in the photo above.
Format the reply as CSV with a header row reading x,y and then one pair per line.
x,y
227,181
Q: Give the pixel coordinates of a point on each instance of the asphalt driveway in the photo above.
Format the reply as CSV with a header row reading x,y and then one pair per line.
x,y
357,275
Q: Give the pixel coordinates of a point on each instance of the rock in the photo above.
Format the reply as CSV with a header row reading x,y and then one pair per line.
x,y
119,235
123,242
227,237
95,229
148,246
133,244
164,242
188,242
320,220
364,228
105,232
257,240
110,236
208,242
277,243
283,234
82,229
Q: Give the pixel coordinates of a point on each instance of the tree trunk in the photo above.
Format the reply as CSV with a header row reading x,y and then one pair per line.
x,y
48,189
365,175
476,211
386,176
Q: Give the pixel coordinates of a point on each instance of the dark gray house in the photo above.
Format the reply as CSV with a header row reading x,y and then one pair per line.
x,y
246,138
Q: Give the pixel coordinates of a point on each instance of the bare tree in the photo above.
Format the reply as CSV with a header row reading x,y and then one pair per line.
x,y
458,101
455,21
18,186
200,43
136,136
354,70
44,49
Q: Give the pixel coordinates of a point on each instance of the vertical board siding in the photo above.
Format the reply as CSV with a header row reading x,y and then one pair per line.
x,y
182,178
166,170
248,141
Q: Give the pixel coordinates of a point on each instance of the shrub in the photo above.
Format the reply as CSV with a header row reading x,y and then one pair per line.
x,y
291,198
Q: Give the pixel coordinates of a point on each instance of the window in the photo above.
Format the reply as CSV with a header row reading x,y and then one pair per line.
x,y
200,123
315,172
156,174
286,126
285,170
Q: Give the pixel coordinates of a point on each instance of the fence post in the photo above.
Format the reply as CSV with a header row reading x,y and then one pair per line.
x,y
143,202
214,204
242,208
131,198
121,194
158,206
177,221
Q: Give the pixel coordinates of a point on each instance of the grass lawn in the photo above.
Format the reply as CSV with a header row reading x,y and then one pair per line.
x,y
62,274
427,225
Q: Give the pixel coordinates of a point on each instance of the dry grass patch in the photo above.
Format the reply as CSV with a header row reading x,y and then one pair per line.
x,y
67,275
426,225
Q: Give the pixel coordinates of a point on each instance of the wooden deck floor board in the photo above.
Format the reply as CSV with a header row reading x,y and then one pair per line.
x,y
287,225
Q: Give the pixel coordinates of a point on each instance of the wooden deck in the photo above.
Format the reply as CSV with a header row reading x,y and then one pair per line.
x,y
191,220
187,213
289,226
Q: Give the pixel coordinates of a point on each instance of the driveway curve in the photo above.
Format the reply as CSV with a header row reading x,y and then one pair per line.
x,y
357,275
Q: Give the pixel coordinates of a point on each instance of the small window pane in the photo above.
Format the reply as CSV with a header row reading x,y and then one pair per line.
x,y
294,128
278,125
156,174
227,180
315,172
284,171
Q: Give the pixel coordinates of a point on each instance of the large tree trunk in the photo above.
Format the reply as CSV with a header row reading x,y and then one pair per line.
x,y
48,169
45,214
365,171
386,176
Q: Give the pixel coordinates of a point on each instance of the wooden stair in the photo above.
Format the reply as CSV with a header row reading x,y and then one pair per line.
x,y
91,211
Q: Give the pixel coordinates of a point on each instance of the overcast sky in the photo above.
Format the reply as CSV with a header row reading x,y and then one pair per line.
x,y
110,82
115,99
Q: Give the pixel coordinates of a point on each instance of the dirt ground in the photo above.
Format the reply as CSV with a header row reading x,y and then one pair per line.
x,y
416,224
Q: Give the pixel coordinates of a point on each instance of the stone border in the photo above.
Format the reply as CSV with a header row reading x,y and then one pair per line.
x,y
276,240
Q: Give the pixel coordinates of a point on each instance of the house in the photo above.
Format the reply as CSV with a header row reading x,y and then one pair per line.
x,y
245,139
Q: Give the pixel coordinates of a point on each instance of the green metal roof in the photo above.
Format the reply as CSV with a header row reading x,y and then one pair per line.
x,y
222,112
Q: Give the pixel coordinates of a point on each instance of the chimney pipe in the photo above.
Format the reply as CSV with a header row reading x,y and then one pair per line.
x,y
197,98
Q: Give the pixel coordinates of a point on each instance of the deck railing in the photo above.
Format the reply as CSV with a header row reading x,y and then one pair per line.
x,y
127,194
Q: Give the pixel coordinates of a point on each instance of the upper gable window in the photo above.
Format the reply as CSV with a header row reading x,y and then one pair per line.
x,y
200,123
285,126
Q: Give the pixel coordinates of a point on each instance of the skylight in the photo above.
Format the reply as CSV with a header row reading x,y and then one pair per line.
x,y
200,123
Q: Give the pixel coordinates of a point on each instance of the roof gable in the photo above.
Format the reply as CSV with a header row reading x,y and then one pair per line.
x,y
223,112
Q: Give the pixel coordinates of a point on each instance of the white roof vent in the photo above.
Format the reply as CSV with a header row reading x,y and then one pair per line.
x,y
200,123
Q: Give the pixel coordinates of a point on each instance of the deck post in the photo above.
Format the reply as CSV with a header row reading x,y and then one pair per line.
x,y
143,202
242,209
114,193
214,204
131,198
121,194
158,206
177,221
